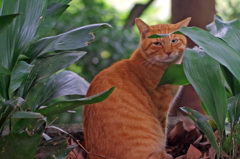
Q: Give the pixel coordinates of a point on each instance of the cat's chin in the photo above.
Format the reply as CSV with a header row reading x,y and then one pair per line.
x,y
169,60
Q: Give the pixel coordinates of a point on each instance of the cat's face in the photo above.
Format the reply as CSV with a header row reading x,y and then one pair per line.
x,y
165,50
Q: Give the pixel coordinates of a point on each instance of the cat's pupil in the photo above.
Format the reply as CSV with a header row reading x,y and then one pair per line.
x,y
174,41
157,43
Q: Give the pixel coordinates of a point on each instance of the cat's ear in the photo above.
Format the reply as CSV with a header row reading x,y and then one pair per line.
x,y
142,27
183,23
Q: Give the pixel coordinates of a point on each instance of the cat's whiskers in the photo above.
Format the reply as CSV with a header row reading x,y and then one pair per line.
x,y
150,62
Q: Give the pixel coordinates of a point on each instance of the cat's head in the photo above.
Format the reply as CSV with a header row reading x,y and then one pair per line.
x,y
162,50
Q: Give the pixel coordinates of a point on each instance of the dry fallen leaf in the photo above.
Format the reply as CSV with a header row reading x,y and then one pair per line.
x,y
193,153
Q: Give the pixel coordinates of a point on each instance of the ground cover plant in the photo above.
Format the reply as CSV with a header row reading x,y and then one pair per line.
x,y
33,82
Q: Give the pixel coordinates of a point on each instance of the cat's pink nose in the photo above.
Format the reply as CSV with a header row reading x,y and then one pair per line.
x,y
168,53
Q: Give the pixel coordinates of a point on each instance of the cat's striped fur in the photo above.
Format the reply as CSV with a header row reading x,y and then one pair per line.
x,y
131,123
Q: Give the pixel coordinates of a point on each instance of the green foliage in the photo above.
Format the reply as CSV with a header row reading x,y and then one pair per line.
x,y
33,83
174,75
213,70
116,43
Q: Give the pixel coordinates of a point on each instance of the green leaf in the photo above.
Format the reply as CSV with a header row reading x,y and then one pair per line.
x,y
19,75
18,34
214,47
228,31
47,66
63,106
74,39
203,125
4,71
232,83
59,1
28,115
174,75
8,108
204,73
56,146
61,84
234,108
5,20
48,21
23,146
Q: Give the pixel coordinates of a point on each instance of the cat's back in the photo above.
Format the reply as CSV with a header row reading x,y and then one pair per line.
x,y
118,75
110,126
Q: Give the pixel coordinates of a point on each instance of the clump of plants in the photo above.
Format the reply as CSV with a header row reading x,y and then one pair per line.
x,y
33,82
213,69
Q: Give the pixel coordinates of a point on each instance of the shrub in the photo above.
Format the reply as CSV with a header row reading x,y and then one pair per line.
x,y
33,82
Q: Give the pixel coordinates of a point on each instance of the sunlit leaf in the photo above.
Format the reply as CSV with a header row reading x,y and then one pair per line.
x,y
228,31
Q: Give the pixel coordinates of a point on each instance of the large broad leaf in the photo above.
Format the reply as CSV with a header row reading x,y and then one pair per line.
x,y
19,75
204,73
23,145
228,31
18,34
213,46
62,84
22,30
5,20
8,108
63,106
26,119
203,125
47,66
27,115
234,108
74,39
48,21
59,1
232,83
174,75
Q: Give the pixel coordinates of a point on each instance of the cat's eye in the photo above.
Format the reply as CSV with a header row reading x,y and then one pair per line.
x,y
174,41
157,43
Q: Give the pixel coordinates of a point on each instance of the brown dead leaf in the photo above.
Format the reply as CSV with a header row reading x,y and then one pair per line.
x,y
77,152
212,153
181,157
193,153
176,133
188,124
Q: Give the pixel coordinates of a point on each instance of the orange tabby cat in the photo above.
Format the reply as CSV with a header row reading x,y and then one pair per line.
x,y
131,122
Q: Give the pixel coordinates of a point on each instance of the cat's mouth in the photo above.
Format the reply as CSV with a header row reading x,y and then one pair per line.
x,y
170,59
